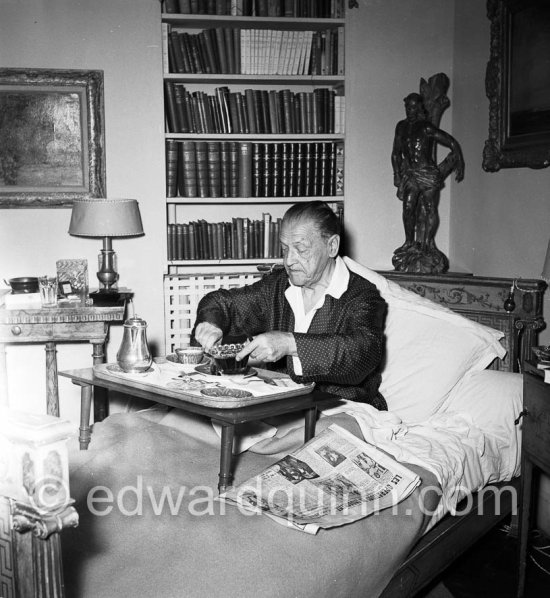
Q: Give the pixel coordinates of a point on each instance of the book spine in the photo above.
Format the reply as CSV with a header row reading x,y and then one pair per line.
x,y
285,173
274,111
202,168
188,160
257,170
237,49
192,241
225,169
234,174
181,108
267,235
291,177
214,169
171,111
251,109
267,164
307,187
170,241
220,40
210,54
174,45
179,242
185,50
324,169
171,6
299,169
276,169
222,93
339,166
171,168
245,169
221,7
185,241
228,41
340,62
234,113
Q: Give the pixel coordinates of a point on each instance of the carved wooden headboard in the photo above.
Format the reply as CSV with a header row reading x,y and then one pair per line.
x,y
513,306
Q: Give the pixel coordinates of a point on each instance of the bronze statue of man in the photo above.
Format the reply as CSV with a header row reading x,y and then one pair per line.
x,y
419,179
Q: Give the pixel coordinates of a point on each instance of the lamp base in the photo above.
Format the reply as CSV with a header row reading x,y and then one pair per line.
x,y
105,298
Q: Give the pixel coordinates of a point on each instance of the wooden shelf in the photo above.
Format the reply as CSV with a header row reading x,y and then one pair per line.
x,y
258,136
186,21
261,79
249,200
247,262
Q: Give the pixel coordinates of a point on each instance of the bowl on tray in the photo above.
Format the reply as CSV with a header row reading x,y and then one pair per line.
x,y
190,355
224,362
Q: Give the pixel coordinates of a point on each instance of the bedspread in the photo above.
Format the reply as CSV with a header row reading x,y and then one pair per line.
x,y
463,457
159,531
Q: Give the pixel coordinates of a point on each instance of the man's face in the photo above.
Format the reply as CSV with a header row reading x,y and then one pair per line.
x,y
306,254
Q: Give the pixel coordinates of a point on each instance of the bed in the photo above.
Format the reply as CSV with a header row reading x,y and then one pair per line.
x,y
129,541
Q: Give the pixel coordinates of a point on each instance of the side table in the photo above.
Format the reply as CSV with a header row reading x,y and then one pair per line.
x,y
535,448
54,325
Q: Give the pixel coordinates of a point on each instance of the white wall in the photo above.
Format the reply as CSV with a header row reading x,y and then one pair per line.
x,y
122,39
500,222
391,45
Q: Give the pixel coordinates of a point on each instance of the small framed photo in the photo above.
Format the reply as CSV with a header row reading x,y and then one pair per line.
x,y
65,288
72,277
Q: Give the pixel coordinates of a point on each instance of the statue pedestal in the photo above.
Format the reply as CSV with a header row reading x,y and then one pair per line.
x,y
420,260
35,503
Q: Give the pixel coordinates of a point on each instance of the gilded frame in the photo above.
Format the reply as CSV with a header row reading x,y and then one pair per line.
x,y
517,83
51,137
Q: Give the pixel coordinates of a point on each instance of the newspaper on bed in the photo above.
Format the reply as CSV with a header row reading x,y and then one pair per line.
x,y
333,479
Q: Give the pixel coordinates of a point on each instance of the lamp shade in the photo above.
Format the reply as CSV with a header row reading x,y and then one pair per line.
x,y
105,218
546,268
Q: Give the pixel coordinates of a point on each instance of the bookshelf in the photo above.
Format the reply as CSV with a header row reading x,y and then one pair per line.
x,y
255,121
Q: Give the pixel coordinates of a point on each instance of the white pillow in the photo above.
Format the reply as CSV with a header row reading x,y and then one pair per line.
x,y
492,401
429,348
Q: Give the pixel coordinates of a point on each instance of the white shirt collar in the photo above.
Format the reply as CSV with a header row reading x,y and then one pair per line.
x,y
336,288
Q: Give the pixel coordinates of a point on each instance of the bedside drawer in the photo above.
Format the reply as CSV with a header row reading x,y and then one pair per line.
x,y
61,331
536,424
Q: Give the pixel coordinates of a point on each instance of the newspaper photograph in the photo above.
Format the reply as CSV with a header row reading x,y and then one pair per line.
x,y
333,479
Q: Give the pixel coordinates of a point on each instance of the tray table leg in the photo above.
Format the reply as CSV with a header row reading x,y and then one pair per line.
x,y
311,419
85,409
226,457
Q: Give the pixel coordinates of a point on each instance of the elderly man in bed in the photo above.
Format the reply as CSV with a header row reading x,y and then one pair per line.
x,y
316,319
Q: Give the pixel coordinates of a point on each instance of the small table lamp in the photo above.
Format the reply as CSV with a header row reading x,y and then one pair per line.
x,y
106,218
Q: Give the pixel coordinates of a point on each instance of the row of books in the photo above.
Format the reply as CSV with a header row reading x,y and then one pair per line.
x,y
254,111
315,9
241,238
232,50
231,169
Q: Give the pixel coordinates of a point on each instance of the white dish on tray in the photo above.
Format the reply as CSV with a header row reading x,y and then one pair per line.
x,y
173,358
204,368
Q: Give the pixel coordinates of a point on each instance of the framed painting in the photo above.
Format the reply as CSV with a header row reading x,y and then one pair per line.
x,y
517,84
51,137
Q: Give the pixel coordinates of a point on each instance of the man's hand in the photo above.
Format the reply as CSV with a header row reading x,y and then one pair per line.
x,y
208,335
270,346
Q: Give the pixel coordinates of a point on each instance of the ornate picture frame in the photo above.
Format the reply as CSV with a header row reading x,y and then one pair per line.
x,y
51,137
517,83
